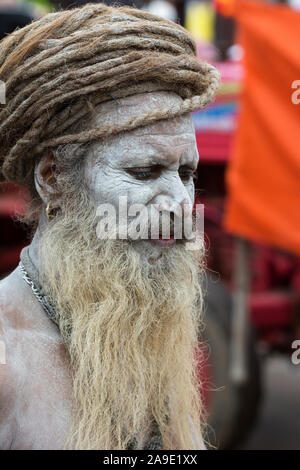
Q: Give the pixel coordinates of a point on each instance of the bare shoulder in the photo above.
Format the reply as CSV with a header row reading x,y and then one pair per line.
x,y
21,325
34,369
8,378
7,319
12,305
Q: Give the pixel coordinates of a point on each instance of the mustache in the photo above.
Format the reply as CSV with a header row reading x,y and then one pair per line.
x,y
179,229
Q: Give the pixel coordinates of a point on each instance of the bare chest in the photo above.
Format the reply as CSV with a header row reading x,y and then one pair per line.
x,y
41,392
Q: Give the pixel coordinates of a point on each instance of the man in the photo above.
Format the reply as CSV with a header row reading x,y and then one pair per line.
x,y
100,333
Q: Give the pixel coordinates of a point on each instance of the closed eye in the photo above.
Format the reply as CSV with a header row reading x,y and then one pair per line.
x,y
154,171
145,173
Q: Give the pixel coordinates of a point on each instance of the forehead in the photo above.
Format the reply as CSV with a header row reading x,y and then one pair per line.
x,y
177,133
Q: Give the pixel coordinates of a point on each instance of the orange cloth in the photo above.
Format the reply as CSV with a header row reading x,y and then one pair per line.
x,y
263,178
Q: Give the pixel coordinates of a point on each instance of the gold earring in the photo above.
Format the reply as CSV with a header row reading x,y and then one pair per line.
x,y
49,212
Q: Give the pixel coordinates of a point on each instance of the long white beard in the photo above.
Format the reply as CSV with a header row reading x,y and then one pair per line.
x,y
131,329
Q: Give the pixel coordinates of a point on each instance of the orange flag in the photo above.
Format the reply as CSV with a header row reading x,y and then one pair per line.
x,y
263,177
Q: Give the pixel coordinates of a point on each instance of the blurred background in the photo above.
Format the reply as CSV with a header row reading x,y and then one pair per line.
x,y
249,180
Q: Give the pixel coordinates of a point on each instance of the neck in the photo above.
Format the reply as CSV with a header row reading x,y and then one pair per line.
x,y
35,242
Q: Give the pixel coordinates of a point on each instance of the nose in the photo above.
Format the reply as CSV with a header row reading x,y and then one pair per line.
x,y
174,197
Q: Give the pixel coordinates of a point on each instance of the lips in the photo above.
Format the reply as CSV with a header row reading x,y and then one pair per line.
x,y
163,242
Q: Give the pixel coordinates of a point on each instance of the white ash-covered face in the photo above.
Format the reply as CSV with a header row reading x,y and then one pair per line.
x,y
149,165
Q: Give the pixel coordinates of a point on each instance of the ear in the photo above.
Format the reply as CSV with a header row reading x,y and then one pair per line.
x,y
44,178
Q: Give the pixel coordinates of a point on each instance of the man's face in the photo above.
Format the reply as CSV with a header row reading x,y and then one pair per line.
x,y
149,165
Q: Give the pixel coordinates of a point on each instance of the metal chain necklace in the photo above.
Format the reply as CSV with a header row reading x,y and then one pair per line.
x,y
43,299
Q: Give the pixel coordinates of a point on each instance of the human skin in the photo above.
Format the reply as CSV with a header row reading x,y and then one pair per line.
x,y
35,384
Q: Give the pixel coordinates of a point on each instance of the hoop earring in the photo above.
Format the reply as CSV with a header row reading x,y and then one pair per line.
x,y
49,212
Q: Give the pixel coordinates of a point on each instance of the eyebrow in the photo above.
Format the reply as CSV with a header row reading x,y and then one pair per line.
x,y
158,151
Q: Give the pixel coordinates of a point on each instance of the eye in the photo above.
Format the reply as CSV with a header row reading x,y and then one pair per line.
x,y
187,173
145,173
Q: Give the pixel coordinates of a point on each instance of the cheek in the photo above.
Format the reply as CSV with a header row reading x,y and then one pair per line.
x,y
142,193
107,185
100,184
